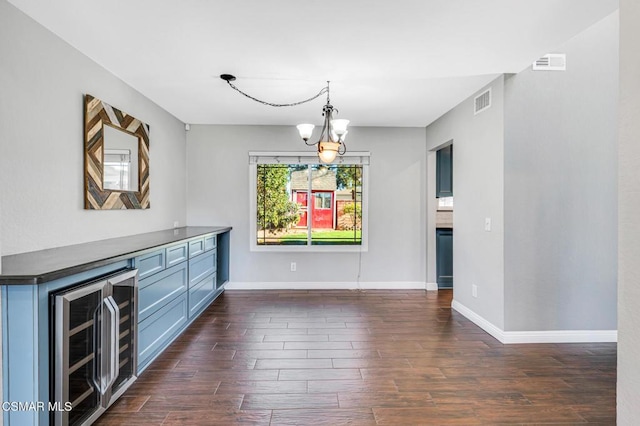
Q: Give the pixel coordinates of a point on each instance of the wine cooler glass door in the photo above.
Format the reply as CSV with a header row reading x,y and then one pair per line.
x,y
95,346
122,292
78,353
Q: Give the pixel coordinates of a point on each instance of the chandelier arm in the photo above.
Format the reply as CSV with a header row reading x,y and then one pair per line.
x,y
322,92
310,143
321,137
343,147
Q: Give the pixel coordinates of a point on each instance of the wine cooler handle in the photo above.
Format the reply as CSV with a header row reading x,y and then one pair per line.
x,y
115,340
96,379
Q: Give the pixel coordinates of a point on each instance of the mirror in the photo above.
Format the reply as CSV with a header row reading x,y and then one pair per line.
x,y
116,158
120,160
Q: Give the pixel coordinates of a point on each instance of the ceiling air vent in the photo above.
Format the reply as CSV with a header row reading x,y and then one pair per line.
x,y
482,101
551,62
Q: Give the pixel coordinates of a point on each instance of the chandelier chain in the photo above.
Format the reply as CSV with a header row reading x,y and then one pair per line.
x,y
322,92
331,141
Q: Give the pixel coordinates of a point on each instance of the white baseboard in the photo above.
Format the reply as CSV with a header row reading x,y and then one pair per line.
x,y
561,336
297,285
548,336
432,286
478,320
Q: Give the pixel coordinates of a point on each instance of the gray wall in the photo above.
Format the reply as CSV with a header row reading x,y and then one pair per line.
x,y
478,194
560,196
42,82
629,225
218,188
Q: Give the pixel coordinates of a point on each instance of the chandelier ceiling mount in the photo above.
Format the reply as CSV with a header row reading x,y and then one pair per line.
x,y
331,141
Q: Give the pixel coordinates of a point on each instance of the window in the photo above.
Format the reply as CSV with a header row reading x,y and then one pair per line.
x,y
299,204
322,200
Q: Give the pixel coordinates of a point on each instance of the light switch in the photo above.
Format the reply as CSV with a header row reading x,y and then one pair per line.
x,y
487,224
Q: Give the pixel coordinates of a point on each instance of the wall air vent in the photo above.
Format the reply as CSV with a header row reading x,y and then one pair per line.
x,y
551,62
482,102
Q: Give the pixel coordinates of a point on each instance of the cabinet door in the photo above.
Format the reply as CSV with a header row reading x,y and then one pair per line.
x,y
200,294
201,266
155,332
444,257
444,172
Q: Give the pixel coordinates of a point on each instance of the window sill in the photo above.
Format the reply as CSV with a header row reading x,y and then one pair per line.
x,y
311,249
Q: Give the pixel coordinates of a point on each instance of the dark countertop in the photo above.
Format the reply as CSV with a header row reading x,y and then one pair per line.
x,y
41,266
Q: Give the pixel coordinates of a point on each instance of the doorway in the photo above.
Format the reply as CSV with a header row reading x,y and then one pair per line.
x,y
444,217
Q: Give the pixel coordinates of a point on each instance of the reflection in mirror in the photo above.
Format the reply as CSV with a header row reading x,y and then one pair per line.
x,y
120,160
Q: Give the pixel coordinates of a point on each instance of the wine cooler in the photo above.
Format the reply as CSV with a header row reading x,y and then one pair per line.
x,y
94,338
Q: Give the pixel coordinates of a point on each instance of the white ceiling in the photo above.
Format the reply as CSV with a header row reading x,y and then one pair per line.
x,y
391,63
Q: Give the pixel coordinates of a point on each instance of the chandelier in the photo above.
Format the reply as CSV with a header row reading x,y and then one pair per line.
x,y
331,141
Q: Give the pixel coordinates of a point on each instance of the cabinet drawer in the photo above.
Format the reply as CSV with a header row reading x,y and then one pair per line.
x,y
201,266
155,332
150,263
154,292
201,293
196,247
209,242
176,254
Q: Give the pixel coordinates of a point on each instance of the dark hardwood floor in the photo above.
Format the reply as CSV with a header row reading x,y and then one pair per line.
x,y
362,358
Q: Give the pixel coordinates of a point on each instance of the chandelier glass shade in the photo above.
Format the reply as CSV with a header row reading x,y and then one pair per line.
x,y
331,141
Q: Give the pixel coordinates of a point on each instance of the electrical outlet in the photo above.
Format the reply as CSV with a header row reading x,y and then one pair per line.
x,y
176,224
487,224
293,266
474,290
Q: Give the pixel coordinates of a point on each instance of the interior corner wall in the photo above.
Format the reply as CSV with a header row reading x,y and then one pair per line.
x,y
218,192
560,189
42,82
432,208
478,257
629,225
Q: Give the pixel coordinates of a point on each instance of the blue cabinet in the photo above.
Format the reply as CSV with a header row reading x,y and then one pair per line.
x,y
180,272
173,292
26,342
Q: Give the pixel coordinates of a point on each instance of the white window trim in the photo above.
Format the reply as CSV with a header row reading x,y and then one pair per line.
x,y
283,157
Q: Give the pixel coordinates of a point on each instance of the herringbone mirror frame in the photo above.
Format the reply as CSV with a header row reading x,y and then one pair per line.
x,y
98,114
